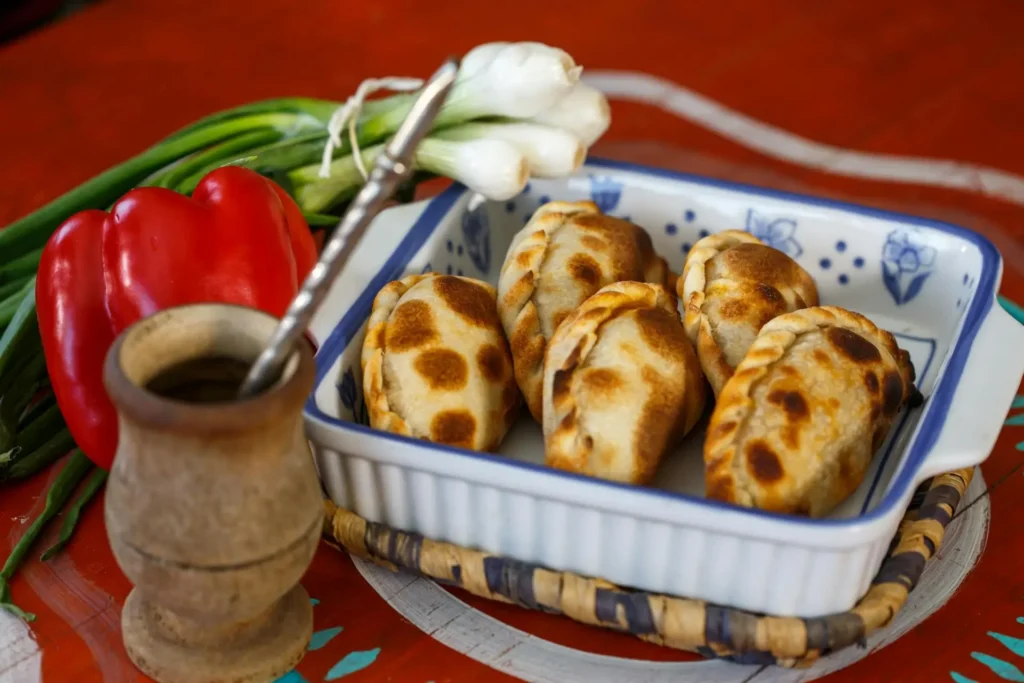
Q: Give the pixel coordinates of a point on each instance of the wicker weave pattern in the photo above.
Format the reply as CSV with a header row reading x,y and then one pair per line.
x,y
694,625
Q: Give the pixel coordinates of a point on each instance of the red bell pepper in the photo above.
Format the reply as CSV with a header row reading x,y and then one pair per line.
x,y
239,239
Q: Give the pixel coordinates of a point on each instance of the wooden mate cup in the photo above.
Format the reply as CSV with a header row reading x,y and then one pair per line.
x,y
213,507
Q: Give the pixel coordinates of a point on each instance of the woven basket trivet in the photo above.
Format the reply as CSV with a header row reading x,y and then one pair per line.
x,y
694,625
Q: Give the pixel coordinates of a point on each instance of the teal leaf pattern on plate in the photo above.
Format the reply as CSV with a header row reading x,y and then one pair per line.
x,y
352,662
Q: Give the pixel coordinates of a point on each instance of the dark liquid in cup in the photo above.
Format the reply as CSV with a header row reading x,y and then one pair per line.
x,y
214,379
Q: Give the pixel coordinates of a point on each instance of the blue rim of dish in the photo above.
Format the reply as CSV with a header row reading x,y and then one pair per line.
x,y
935,409
904,419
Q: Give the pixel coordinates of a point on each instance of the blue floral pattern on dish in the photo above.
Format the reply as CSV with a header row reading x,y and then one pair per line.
x,y
350,397
477,233
606,192
907,261
777,233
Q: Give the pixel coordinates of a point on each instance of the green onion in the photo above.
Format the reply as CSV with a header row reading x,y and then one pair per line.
x,y
550,152
515,80
27,463
314,194
511,80
22,325
34,410
584,112
89,491
27,346
17,397
267,159
74,471
7,458
318,110
32,231
40,427
321,220
216,153
8,308
494,168
7,291
21,267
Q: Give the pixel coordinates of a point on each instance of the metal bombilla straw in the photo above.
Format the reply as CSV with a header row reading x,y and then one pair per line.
x,y
392,167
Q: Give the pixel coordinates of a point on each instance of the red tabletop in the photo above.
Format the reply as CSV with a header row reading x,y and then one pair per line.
x,y
775,93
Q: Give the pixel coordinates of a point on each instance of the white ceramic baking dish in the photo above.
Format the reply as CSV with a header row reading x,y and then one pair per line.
x,y
930,283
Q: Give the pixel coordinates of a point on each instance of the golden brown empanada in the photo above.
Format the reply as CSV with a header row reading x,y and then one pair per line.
x,y
567,251
796,426
621,384
732,284
436,364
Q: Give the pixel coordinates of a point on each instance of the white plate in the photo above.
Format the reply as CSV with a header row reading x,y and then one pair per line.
x,y
932,284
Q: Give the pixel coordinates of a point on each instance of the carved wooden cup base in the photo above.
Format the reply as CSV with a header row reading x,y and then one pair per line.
x,y
213,506
250,652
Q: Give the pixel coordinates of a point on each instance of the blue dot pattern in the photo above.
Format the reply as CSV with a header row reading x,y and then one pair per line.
x,y
825,263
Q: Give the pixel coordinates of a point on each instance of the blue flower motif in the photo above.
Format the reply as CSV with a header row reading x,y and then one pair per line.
x,y
907,261
477,234
347,389
777,233
348,392
605,191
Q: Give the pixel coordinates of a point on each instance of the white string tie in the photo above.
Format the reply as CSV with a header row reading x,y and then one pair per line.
x,y
348,115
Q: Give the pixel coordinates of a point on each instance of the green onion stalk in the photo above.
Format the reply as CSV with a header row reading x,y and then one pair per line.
x,y
77,467
516,110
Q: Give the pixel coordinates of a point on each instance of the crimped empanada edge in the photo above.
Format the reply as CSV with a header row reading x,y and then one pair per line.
x,y
372,356
605,305
566,208
735,404
691,283
690,287
519,317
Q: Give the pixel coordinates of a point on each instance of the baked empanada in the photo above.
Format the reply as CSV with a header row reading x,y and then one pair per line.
x,y
622,384
567,251
796,426
732,284
436,364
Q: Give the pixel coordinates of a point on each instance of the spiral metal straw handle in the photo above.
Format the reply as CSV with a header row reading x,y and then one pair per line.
x,y
391,168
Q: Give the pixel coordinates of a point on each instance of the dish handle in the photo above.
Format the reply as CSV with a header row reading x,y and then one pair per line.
x,y
988,384
378,242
